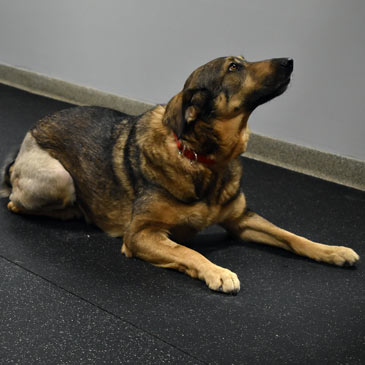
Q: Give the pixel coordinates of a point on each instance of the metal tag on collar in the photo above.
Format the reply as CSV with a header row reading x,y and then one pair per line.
x,y
182,152
196,158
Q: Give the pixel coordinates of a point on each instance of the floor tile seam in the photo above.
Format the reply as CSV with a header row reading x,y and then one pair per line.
x,y
103,309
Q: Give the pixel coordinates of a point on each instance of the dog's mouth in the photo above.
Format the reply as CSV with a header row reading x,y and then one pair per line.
x,y
264,95
285,82
282,86
269,91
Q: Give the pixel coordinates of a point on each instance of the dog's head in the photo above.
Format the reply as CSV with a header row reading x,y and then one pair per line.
x,y
224,90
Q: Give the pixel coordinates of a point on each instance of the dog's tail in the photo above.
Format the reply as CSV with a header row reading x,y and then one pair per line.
x,y
5,187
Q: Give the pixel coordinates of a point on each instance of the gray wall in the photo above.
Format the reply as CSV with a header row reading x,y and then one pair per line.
x,y
145,49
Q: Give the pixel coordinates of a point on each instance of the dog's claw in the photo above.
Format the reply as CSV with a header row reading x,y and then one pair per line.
x,y
126,251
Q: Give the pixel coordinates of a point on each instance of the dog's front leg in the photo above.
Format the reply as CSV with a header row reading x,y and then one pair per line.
x,y
249,226
154,246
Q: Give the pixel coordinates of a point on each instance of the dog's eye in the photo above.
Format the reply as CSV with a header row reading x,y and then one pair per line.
x,y
233,67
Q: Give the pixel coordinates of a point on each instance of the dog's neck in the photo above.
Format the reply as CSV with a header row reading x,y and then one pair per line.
x,y
219,140
193,156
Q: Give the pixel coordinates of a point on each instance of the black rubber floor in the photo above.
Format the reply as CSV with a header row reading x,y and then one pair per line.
x,y
67,295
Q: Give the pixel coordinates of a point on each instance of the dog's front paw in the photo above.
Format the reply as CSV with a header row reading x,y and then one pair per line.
x,y
219,279
342,256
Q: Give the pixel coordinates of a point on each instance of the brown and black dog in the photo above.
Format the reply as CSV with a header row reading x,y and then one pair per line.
x,y
162,175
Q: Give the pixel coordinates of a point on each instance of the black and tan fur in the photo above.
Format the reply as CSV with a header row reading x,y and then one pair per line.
x,y
124,174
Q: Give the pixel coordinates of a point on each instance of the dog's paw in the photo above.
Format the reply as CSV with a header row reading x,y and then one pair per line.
x,y
342,256
13,208
219,279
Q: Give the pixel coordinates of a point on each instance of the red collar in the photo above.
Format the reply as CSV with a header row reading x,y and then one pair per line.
x,y
191,155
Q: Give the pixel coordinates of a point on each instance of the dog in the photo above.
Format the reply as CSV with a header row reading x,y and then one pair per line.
x,y
163,176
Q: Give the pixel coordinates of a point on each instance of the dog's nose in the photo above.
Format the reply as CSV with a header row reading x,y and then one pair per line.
x,y
286,62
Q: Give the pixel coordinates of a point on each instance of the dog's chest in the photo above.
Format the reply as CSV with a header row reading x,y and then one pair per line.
x,y
195,218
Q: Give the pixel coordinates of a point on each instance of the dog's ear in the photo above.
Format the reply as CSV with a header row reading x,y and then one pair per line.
x,y
174,115
185,108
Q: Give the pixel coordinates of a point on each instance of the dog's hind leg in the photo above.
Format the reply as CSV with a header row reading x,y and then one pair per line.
x,y
40,185
70,212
